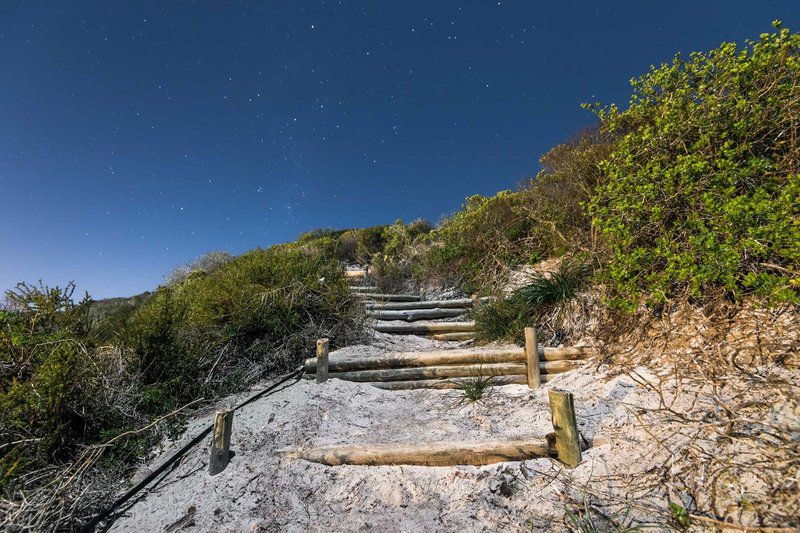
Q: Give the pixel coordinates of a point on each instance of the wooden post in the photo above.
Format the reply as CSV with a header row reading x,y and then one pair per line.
x,y
221,442
562,411
532,358
322,360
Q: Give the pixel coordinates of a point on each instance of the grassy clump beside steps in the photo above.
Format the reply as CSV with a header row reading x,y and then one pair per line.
x,y
507,318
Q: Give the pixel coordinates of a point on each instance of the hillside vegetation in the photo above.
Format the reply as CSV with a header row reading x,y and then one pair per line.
x,y
686,196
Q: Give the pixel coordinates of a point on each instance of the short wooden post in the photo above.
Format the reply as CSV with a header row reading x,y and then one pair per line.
x,y
532,358
221,442
562,411
322,360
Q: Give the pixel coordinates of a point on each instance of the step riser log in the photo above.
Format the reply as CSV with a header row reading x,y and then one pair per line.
x,y
462,336
451,371
423,329
389,297
446,357
430,304
452,383
417,314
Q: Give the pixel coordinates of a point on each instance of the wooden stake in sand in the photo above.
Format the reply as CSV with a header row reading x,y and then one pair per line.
x,y
562,410
532,358
322,360
221,442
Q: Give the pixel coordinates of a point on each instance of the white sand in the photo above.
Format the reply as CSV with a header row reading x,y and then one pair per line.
x,y
261,491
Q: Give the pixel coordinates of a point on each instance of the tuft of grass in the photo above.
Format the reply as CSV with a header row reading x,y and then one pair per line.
x,y
475,388
505,319
497,318
558,287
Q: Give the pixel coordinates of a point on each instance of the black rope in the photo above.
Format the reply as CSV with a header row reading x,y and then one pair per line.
x,y
89,526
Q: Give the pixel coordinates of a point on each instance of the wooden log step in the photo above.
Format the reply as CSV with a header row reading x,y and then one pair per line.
x,y
416,314
389,297
454,383
431,372
453,371
355,273
340,363
457,336
427,454
424,329
363,288
428,304
445,357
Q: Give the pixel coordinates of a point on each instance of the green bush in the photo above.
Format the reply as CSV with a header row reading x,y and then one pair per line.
x,y
555,199
701,192
394,264
44,379
479,242
110,316
264,308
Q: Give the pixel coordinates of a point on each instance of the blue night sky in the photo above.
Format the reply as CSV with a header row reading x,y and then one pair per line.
x,y
138,135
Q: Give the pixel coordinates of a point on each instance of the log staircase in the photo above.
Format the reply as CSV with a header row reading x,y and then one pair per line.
x,y
409,314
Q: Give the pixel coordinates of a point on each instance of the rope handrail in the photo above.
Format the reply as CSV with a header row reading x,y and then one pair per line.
x,y
89,526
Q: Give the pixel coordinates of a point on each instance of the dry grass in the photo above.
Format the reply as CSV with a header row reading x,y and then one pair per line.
x,y
724,428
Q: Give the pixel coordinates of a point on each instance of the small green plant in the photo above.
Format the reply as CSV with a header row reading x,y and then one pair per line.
x,y
679,514
475,388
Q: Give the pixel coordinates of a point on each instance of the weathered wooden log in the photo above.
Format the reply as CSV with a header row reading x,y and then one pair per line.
x,y
425,329
343,363
562,410
428,304
340,363
355,273
431,454
416,314
457,336
451,371
565,353
389,297
363,288
452,383
220,442
430,372
532,358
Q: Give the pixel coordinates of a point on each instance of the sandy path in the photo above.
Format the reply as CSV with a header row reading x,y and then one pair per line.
x,y
260,491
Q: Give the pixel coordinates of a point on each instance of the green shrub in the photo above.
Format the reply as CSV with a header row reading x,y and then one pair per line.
x,y
44,379
203,335
555,199
701,192
394,265
264,308
110,316
479,242
202,265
